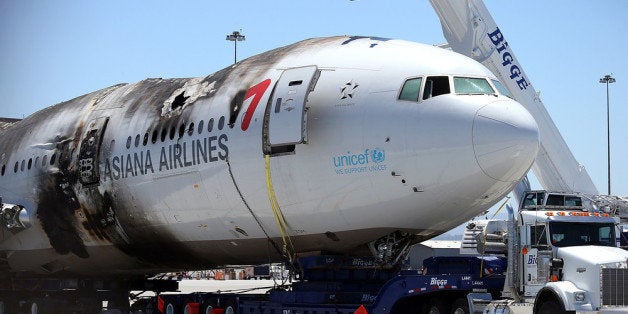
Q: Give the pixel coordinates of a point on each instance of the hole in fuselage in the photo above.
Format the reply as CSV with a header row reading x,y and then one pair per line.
x,y
179,101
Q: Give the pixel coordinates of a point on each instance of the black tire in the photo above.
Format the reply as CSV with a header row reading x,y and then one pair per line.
x,y
206,308
551,307
145,306
231,307
171,308
460,306
435,306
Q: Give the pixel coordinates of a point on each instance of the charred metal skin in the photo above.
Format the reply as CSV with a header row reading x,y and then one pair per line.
x,y
169,174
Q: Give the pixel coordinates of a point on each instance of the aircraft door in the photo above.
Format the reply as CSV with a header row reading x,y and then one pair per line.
x,y
90,149
286,115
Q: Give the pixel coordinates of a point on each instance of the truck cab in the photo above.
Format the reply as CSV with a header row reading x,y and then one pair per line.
x,y
563,255
569,257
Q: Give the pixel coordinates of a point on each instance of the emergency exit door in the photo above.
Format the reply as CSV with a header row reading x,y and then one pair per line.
x,y
287,115
88,158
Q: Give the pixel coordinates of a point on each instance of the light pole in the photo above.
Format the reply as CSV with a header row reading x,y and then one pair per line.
x,y
235,37
608,79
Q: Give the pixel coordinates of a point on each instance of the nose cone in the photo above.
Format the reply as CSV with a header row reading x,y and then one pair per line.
x,y
505,140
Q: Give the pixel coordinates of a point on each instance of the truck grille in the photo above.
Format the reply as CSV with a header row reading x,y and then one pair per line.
x,y
615,286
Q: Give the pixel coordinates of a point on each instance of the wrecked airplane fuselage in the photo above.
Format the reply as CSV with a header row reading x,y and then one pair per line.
x,y
168,174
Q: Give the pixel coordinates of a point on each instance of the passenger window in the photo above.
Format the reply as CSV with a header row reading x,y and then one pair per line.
x,y
200,127
153,138
435,86
472,86
411,89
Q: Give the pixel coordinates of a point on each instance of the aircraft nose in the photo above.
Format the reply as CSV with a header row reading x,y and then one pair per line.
x,y
505,140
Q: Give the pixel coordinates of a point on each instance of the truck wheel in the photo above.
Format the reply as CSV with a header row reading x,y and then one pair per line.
x,y
207,309
142,306
435,306
551,307
170,309
461,306
232,307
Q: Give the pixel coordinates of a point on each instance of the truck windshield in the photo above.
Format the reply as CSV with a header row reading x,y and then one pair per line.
x,y
574,234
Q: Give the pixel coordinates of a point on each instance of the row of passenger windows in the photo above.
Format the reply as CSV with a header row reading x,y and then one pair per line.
x,y
25,165
174,131
439,85
32,163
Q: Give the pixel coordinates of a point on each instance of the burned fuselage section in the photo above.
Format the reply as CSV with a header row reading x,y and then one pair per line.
x,y
70,164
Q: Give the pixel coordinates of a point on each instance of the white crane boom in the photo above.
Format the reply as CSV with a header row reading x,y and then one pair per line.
x,y
470,30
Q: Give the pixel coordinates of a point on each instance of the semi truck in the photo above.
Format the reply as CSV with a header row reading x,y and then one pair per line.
x,y
563,256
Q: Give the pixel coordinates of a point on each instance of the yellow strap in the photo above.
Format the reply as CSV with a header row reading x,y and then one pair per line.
x,y
282,225
500,207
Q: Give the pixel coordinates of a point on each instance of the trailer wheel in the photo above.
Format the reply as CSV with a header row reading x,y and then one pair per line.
x,y
551,307
207,309
232,307
461,306
435,306
170,309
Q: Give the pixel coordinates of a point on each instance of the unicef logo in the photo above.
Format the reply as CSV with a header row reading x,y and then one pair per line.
x,y
368,160
378,155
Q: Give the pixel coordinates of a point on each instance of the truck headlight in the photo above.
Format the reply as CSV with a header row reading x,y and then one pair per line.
x,y
579,296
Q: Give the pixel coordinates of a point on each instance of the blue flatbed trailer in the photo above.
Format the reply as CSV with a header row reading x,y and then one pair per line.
x,y
333,284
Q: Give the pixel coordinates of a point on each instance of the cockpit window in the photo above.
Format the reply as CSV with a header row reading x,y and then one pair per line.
x,y
410,90
501,88
436,85
472,86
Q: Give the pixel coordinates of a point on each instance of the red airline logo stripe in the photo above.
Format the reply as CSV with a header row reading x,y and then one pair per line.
x,y
257,92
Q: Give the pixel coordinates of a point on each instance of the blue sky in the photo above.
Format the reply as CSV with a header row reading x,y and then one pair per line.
x,y
52,51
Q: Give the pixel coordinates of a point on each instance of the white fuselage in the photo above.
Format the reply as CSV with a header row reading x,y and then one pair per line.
x,y
162,181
